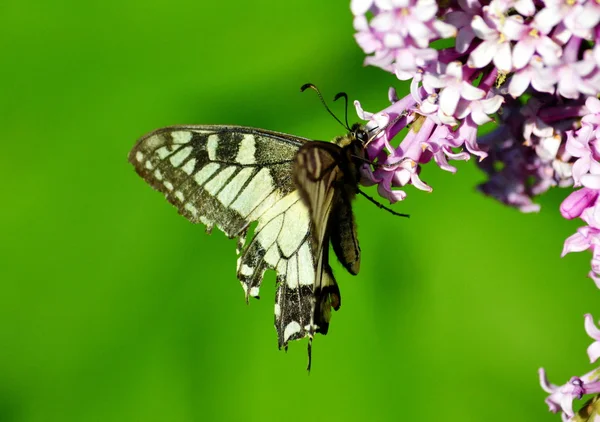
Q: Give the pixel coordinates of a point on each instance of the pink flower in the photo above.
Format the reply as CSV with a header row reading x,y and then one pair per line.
x,y
497,35
587,237
577,202
461,19
576,18
453,88
399,33
530,74
561,397
592,105
502,7
584,146
532,40
593,350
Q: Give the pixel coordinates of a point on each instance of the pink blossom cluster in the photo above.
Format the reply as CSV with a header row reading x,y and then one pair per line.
x,y
583,146
530,66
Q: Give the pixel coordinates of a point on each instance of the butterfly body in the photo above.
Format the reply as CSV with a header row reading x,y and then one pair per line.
x,y
298,191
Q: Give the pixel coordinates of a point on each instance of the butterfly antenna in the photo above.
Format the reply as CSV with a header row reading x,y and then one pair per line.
x,y
380,205
337,97
311,86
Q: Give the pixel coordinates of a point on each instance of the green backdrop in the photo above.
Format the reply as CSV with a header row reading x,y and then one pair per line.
x,y
115,308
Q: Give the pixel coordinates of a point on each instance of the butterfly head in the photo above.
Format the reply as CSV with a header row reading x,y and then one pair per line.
x,y
357,137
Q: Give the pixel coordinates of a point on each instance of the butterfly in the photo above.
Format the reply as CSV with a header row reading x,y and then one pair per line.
x,y
296,191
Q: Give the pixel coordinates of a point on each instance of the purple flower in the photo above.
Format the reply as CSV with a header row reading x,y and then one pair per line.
x,y
502,7
530,75
584,146
593,350
453,87
510,183
461,19
579,20
577,202
429,135
531,41
561,397
399,33
570,78
592,105
587,237
497,35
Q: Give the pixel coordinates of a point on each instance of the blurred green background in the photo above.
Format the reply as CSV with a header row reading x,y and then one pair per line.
x,y
114,308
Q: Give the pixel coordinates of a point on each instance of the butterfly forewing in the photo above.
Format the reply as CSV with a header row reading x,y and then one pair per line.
x,y
228,177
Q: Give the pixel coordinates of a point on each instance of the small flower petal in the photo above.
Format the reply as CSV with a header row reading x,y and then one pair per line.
x,y
574,205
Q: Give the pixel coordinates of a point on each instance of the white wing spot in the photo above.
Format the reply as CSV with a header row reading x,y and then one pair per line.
x,y
168,185
149,165
272,255
254,291
192,209
163,152
216,183
292,273
246,270
247,150
180,156
306,270
291,329
268,234
207,171
281,206
189,167
153,141
295,228
158,174
264,205
282,267
211,146
229,192
179,195
277,310
181,137
139,156
257,190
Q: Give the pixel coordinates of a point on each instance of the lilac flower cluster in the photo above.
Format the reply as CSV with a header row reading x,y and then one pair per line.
x,y
529,65
532,67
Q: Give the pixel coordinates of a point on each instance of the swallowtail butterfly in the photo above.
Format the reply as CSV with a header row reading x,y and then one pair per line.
x,y
297,190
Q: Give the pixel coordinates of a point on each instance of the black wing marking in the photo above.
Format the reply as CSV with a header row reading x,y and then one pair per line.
x,y
229,176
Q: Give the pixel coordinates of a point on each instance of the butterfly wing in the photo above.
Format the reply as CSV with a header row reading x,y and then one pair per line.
x,y
228,177
321,180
